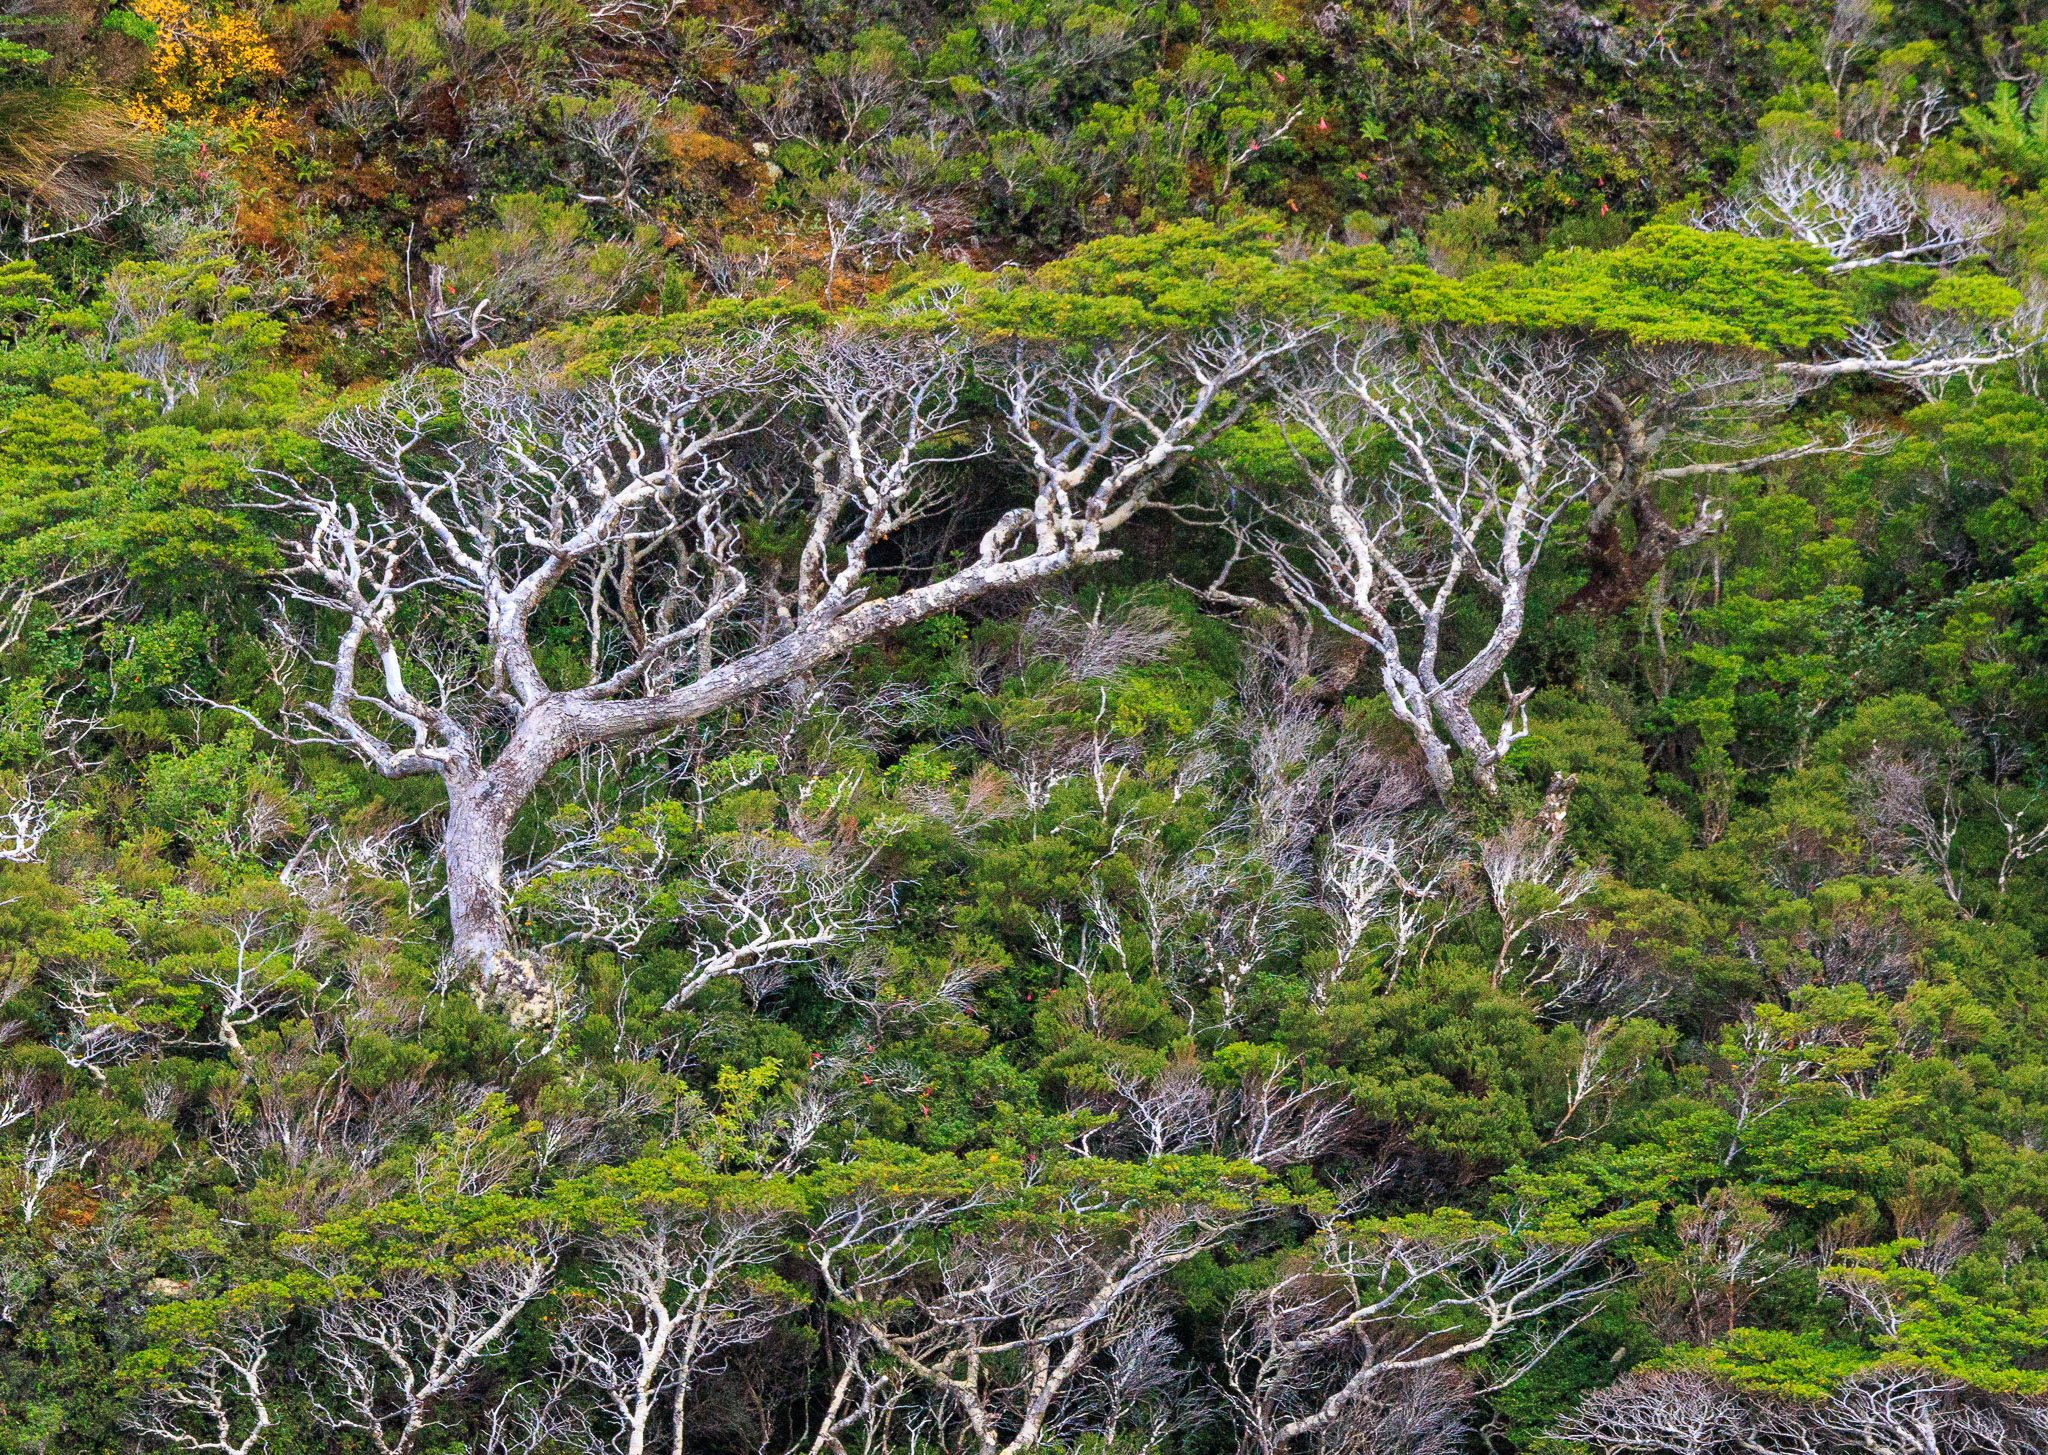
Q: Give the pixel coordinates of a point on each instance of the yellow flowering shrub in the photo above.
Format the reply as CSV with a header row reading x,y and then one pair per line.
x,y
198,57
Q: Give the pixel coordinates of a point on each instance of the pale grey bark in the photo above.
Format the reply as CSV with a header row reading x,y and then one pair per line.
x,y
630,488
1479,464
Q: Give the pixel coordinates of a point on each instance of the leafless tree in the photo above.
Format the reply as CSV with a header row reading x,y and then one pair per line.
x,y
534,277
2025,834
865,222
28,811
1132,1396
338,874
672,1290
1597,1083
544,478
1902,1408
1211,917
1280,1116
79,209
618,130
1171,1112
999,1322
1482,465
77,590
1666,1412
48,1154
753,903
1768,1065
1276,1117
23,1093
1911,805
886,997
1531,877
1368,1303
757,906
1860,216
1923,347
1306,776
1886,1407
1389,884
1098,643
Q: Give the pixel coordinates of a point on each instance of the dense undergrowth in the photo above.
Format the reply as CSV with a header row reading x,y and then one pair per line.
x,y
1474,876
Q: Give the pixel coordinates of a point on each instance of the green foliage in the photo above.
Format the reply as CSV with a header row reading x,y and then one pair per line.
x,y
1068,958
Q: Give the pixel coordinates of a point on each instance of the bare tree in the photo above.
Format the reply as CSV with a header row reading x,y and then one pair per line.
x,y
1477,424
1668,1412
753,903
999,1321
1886,1407
28,811
1132,1396
1911,805
679,1283
544,478
2025,835
397,1351
47,1155
1860,216
1367,1303
618,130
1277,1116
865,222
76,589
1531,877
1389,884
1173,1111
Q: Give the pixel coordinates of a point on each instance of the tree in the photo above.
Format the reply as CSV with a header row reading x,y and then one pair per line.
x,y
995,1288
540,266
422,1291
1859,216
1370,1303
1885,1407
680,1272
1529,875
207,1378
1682,416
504,491
1427,468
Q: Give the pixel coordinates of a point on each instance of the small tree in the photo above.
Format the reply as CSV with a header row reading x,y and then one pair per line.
x,y
423,1291
1373,1303
679,1260
206,1379
994,1287
1429,468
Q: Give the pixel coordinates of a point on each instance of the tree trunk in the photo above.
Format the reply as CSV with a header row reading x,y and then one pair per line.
x,y
1620,572
480,813
474,847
